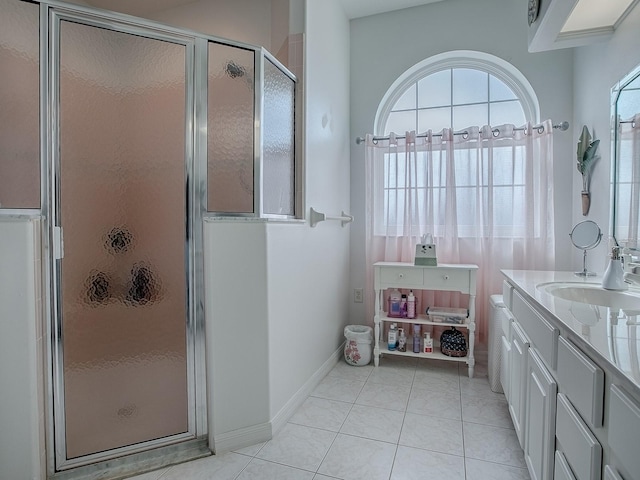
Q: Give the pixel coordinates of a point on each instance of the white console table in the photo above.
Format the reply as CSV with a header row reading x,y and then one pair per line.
x,y
447,277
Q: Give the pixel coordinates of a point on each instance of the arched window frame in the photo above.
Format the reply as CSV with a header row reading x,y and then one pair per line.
x,y
485,62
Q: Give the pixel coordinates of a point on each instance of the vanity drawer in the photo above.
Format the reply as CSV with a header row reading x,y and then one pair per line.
x,y
611,474
542,334
582,381
561,470
402,276
581,449
507,294
448,279
624,433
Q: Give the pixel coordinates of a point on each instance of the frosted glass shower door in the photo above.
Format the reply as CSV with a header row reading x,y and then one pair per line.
x,y
121,203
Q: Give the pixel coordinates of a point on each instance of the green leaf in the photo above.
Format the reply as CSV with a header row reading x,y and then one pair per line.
x,y
583,144
590,157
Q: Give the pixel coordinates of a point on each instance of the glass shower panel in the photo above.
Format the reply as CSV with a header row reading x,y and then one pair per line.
x,y
19,105
122,208
278,152
230,123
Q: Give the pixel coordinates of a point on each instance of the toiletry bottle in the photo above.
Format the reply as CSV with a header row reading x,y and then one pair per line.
x,y
402,340
411,305
403,306
394,303
613,278
416,338
428,343
392,337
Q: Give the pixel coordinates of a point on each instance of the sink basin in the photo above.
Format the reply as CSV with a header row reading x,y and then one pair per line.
x,y
592,294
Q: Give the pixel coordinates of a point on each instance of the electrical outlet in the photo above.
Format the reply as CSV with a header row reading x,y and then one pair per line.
x,y
357,295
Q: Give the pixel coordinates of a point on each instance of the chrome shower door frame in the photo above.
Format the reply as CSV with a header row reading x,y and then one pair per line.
x,y
51,15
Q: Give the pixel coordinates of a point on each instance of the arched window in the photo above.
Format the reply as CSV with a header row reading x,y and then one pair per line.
x,y
456,90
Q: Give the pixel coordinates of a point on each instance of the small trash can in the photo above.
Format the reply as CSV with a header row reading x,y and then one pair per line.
x,y
357,348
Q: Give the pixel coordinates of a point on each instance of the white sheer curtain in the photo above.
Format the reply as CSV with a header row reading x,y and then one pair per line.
x,y
485,194
628,181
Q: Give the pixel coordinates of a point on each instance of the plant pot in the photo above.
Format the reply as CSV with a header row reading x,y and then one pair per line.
x,y
586,202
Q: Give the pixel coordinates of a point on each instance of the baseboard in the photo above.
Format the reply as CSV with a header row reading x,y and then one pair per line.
x,y
286,412
243,437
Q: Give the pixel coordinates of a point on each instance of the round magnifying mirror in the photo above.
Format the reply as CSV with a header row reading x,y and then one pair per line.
x,y
585,236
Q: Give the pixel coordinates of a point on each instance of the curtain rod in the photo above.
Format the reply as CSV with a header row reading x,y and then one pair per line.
x,y
560,126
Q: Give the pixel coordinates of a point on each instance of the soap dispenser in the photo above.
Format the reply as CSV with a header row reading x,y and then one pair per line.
x,y
613,278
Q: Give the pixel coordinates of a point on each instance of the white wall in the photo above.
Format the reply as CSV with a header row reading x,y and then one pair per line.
x,y
309,267
384,46
236,329
278,293
597,68
21,340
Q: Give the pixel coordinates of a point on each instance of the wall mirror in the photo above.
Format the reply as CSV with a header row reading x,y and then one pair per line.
x,y
625,175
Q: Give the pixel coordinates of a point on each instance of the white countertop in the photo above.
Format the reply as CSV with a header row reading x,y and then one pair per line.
x,y
607,334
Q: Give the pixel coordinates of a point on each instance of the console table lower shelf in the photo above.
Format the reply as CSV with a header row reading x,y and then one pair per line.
x,y
435,355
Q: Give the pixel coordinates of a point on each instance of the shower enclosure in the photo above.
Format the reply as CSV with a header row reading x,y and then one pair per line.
x,y
144,129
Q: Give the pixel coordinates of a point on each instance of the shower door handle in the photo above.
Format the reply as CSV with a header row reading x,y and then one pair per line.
x,y
58,243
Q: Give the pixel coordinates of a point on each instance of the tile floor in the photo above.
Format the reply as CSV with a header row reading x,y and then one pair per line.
x,y
407,419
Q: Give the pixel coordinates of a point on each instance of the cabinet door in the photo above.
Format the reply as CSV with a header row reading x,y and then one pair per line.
x,y
505,364
540,419
517,380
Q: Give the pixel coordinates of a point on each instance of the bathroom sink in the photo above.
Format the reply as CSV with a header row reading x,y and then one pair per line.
x,y
592,294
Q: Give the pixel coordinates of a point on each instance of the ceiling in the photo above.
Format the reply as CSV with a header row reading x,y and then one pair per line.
x,y
587,14
363,8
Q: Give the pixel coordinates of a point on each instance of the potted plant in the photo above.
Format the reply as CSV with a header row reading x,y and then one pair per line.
x,y
586,159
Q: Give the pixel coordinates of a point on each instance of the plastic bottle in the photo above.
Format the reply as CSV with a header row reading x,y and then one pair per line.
x,y
416,338
392,337
613,278
411,305
402,340
403,306
428,343
394,303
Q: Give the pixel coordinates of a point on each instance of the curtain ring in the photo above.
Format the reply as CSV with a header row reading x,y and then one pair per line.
x,y
495,132
540,128
374,141
465,135
633,124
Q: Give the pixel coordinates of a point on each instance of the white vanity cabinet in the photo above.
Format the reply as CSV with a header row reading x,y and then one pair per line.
x,y
581,400
444,277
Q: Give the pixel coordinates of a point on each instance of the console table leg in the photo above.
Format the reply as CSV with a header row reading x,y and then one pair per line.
x,y
376,347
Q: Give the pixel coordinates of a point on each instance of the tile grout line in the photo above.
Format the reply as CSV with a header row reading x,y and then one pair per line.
x,y
341,425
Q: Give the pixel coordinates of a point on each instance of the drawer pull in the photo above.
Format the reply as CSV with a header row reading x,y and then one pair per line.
x,y
401,275
445,277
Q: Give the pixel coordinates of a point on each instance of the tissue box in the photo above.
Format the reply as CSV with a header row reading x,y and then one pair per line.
x,y
426,255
